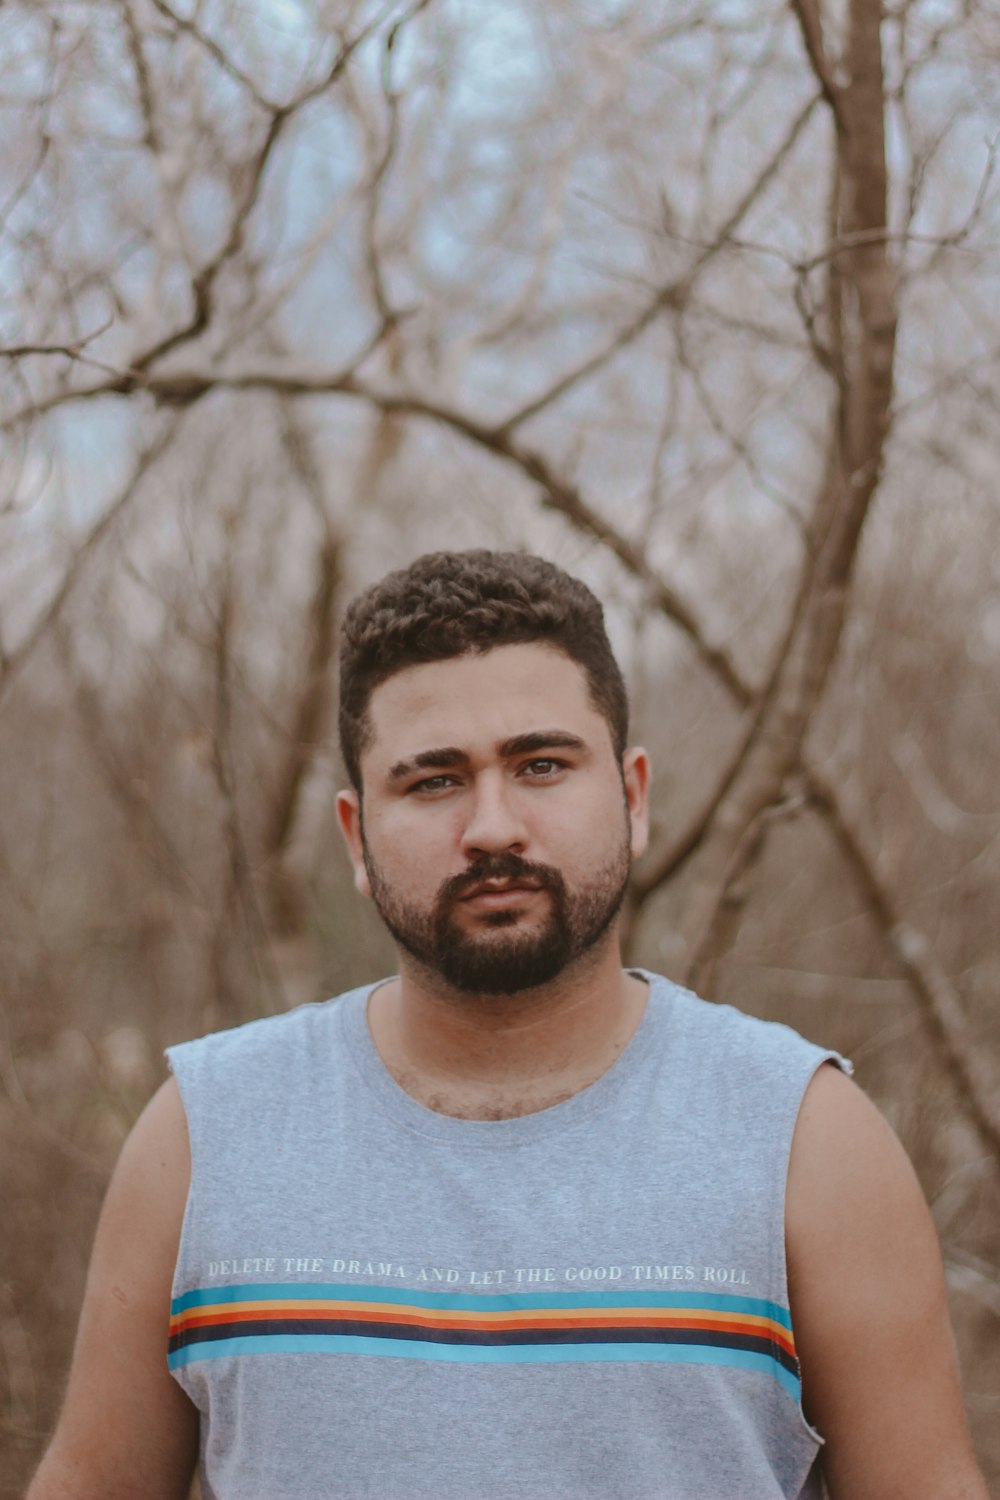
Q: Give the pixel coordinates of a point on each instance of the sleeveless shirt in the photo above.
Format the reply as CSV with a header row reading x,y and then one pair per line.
x,y
374,1301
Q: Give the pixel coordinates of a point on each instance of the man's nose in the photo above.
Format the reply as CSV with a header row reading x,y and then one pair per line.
x,y
495,822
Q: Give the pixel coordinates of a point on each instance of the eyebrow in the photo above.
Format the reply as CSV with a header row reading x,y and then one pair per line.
x,y
519,744
542,739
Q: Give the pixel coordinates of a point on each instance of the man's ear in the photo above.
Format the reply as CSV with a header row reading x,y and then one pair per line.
x,y
349,818
636,778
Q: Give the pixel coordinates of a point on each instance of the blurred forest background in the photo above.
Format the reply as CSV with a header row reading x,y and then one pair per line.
x,y
699,300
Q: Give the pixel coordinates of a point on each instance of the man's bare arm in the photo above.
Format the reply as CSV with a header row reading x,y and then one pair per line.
x,y
127,1430
879,1369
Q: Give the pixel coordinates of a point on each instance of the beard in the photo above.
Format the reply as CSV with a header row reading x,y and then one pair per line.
x,y
506,954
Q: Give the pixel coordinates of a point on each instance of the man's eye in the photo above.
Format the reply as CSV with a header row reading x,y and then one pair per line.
x,y
545,766
433,784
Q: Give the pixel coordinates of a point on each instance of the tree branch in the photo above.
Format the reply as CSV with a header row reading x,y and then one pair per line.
x,y
185,387
675,293
214,51
313,694
239,888
977,1087
669,864
14,661
387,314
73,350
807,14
10,1077
722,922
156,840
203,283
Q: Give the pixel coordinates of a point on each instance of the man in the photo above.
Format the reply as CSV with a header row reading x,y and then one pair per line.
x,y
518,1222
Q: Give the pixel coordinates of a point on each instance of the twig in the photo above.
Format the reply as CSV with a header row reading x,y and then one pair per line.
x,y
964,1057
665,867
215,52
303,738
734,441
373,203
185,387
11,1079
810,24
15,660
123,784
675,293
718,933
203,283
143,78
240,890
72,350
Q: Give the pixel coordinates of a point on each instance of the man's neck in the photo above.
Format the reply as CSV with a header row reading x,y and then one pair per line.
x,y
499,1056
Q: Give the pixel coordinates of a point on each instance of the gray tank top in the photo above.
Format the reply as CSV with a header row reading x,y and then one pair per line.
x,y
373,1301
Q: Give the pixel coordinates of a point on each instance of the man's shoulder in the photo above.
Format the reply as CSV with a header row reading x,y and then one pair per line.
x,y
730,1030
300,1019
292,1041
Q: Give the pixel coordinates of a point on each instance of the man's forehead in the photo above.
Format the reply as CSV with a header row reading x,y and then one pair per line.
x,y
511,690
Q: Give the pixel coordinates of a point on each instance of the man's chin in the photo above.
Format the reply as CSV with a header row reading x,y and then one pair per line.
x,y
499,967
491,920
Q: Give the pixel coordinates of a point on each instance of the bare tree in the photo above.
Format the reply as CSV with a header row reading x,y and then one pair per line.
x,y
700,303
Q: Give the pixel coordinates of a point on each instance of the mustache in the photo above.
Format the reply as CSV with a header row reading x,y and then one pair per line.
x,y
500,867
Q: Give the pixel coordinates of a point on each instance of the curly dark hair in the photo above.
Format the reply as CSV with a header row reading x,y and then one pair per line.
x,y
447,604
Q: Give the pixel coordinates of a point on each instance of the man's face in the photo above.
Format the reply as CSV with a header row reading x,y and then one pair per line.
x,y
497,828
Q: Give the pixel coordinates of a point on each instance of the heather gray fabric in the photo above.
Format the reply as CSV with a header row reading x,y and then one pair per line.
x,y
377,1302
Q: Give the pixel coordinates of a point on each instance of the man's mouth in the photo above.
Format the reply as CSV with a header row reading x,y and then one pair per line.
x,y
501,883
500,892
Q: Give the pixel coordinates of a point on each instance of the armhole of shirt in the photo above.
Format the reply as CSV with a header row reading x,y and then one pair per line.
x,y
822,1060
178,1286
